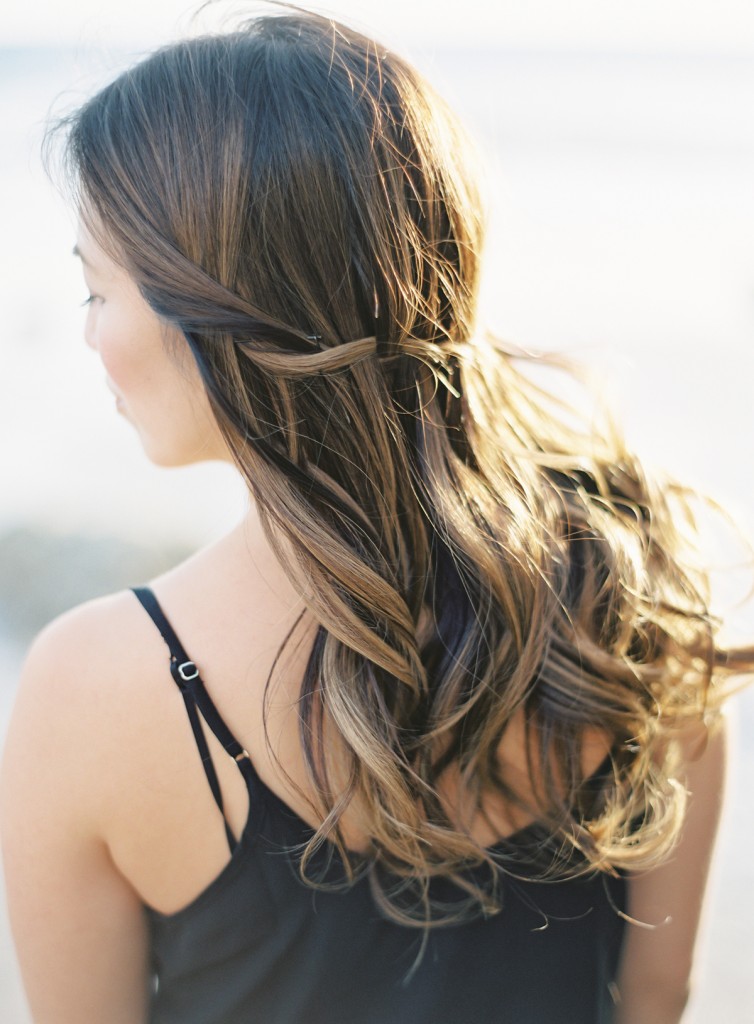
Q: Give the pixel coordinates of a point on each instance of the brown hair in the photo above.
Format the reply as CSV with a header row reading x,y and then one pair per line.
x,y
298,202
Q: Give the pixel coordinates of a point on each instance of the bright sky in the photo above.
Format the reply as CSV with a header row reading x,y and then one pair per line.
x,y
717,25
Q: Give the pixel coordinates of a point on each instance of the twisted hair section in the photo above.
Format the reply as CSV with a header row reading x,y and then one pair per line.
x,y
297,204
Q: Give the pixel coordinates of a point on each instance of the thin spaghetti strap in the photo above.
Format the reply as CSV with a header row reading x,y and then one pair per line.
x,y
187,678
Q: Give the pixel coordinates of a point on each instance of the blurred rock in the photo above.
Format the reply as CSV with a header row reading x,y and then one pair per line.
x,y
43,573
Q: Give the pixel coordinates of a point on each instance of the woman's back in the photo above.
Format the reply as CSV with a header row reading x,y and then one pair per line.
x,y
235,938
232,614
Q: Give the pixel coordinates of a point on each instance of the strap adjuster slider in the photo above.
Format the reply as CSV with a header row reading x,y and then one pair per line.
x,y
188,670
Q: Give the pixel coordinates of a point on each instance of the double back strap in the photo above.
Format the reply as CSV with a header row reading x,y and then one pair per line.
x,y
189,682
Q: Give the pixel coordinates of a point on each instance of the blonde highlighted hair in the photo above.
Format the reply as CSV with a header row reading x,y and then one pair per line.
x,y
296,200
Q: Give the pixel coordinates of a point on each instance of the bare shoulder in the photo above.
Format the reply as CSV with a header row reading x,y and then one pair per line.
x,y
88,654
86,635
95,680
106,650
78,693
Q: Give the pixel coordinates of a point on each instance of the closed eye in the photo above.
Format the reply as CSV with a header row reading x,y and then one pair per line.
x,y
90,299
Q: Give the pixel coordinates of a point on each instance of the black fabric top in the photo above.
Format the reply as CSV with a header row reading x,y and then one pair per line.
x,y
258,945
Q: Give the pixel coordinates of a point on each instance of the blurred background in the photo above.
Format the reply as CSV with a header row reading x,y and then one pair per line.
x,y
618,146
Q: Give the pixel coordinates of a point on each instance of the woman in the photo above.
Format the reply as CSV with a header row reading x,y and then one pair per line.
x,y
455,694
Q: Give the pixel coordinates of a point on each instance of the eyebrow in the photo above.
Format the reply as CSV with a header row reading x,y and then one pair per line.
x,y
77,252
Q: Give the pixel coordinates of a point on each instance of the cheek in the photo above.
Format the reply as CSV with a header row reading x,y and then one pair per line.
x,y
121,350
159,385
118,372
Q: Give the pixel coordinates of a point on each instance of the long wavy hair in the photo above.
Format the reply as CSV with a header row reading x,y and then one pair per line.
x,y
299,203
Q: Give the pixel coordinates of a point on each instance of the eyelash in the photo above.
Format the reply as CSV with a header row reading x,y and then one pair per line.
x,y
89,300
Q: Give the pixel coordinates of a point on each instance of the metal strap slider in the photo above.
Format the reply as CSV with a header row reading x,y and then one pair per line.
x,y
188,670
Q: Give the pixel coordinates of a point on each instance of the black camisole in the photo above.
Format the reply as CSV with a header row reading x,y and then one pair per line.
x,y
259,946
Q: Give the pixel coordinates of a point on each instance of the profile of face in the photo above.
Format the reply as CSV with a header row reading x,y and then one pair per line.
x,y
148,365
